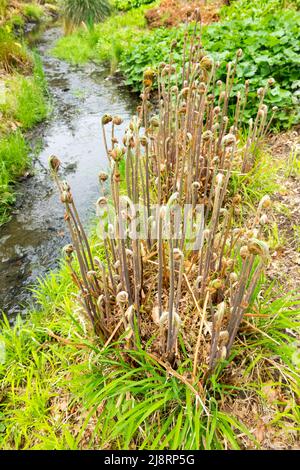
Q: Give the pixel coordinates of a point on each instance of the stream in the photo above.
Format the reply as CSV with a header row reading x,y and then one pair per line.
x,y
30,244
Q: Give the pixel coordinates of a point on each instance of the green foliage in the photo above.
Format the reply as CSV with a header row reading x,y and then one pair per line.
x,y
88,11
270,44
150,50
261,180
125,5
66,392
25,99
245,8
13,161
16,22
32,11
105,42
25,103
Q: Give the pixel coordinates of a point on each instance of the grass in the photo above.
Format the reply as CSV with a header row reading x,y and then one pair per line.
x,y
13,162
292,166
13,54
61,390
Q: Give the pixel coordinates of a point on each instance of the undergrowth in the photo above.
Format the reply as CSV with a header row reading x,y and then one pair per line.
x,y
33,11
270,44
60,389
25,98
63,388
13,162
105,42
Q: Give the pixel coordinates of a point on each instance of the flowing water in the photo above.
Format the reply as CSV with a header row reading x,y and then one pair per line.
x,y
30,244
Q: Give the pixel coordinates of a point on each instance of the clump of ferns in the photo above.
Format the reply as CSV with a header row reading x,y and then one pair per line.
x,y
153,288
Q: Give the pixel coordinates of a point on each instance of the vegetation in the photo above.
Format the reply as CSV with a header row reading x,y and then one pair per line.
x,y
125,5
195,170
61,389
267,32
22,102
17,13
105,42
270,43
159,329
89,12
13,54
23,107
33,11
154,335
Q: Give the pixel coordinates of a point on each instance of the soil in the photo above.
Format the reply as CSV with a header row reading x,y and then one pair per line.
x,y
173,12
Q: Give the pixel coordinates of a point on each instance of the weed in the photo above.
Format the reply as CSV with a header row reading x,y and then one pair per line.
x,y
13,54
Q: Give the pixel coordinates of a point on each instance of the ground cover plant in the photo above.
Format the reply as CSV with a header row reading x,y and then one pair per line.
x,y
153,289
125,5
33,11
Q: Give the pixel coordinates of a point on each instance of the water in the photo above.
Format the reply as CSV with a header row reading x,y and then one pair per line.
x,y
30,244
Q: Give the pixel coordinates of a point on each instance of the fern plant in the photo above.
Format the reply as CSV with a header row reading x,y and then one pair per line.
x,y
89,12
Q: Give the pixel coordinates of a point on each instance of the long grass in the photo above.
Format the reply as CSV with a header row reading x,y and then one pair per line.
x,y
25,98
